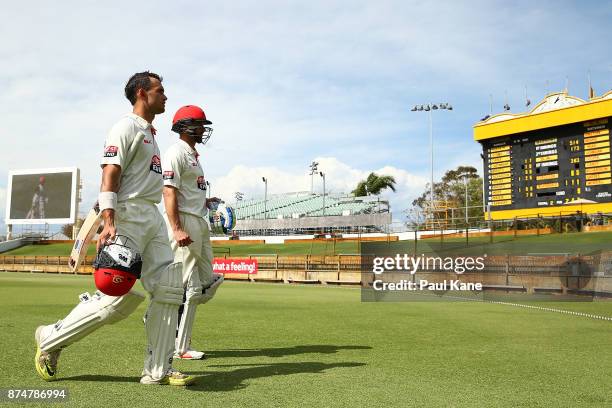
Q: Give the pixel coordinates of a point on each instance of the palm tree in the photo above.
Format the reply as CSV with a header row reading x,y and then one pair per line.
x,y
374,185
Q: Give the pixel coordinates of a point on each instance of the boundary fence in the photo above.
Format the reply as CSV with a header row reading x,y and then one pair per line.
x,y
586,274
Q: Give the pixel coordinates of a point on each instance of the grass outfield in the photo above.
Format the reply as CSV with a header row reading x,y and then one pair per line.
x,y
571,243
287,346
314,248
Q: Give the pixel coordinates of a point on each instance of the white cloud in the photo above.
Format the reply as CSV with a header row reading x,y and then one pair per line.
x,y
2,203
285,83
2,211
340,178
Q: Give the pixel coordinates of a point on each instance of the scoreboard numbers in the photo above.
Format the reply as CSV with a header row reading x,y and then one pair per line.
x,y
549,167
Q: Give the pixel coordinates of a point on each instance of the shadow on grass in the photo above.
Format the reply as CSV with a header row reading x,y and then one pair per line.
x,y
282,351
221,381
234,380
101,378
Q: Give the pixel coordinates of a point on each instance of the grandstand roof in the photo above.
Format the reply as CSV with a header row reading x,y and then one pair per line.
x,y
297,205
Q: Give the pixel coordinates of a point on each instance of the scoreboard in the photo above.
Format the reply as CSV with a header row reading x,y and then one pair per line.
x,y
549,167
566,166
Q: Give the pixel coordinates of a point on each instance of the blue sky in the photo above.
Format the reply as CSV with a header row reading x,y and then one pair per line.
x,y
289,82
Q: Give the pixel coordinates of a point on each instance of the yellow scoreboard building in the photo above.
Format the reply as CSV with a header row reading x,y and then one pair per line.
x,y
551,161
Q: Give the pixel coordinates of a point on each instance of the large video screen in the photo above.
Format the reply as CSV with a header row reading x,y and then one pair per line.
x,y
42,196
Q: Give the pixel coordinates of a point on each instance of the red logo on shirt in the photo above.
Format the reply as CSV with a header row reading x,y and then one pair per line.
x,y
156,164
110,151
168,175
201,184
147,141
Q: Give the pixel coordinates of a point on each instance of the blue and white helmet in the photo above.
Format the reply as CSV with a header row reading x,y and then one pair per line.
x,y
222,218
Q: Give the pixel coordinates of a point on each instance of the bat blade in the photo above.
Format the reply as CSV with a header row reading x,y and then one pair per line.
x,y
88,230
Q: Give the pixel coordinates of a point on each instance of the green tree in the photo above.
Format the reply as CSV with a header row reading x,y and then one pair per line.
x,y
374,185
67,230
452,190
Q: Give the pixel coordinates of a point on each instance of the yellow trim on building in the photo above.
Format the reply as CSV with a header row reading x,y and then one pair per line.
x,y
527,122
556,210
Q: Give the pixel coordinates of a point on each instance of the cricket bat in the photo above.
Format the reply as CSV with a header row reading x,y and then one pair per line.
x,y
88,230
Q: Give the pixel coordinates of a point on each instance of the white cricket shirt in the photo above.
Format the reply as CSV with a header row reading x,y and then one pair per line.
x,y
183,171
142,177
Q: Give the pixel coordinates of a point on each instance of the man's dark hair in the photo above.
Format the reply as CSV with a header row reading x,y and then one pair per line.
x,y
137,81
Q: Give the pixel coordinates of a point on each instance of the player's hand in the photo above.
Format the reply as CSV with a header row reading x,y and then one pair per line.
x,y
182,238
107,235
211,201
109,231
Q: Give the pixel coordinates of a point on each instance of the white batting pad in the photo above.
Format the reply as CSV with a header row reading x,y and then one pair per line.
x,y
192,299
209,292
91,313
161,322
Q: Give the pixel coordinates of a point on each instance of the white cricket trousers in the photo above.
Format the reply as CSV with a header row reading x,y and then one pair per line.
x,y
197,258
140,221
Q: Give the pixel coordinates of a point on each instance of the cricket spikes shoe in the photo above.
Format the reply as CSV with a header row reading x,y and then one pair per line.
x,y
45,362
173,377
179,379
191,355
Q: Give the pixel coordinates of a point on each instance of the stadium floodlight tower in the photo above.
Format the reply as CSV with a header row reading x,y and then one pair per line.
x,y
465,180
208,188
313,170
265,180
323,175
239,196
429,108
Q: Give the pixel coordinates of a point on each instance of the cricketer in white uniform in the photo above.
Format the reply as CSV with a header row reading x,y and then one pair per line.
x,y
131,188
39,201
186,206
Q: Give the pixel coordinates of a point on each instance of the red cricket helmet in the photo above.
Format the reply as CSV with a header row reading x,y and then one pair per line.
x,y
191,113
191,120
117,267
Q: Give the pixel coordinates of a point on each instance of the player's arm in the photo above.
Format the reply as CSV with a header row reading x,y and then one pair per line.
x,y
171,203
111,176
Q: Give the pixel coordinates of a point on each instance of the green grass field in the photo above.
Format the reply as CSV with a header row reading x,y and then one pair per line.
x,y
316,248
571,243
287,346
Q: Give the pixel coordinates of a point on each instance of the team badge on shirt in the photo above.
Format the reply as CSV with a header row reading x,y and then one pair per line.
x,y
168,175
201,184
110,151
156,164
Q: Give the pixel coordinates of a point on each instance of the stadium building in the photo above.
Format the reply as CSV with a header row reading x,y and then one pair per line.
x,y
552,161
307,213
